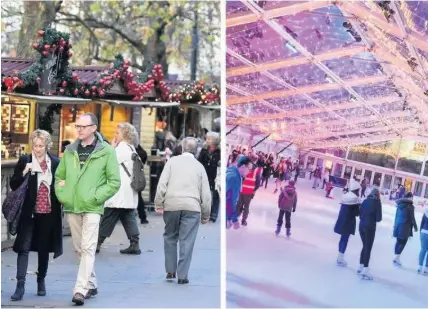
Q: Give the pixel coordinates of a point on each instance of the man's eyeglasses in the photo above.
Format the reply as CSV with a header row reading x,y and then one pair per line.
x,y
78,127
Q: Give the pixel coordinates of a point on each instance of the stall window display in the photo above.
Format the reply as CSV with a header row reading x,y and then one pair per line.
x,y
16,118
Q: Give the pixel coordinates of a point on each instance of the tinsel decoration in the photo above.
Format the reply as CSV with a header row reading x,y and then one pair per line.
x,y
196,92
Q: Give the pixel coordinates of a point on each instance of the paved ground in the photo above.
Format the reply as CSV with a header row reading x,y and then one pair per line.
x,y
125,281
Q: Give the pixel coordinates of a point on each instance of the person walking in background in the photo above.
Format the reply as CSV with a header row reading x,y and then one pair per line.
x,y
40,224
141,208
234,175
297,169
346,222
87,176
210,159
328,188
183,196
123,204
317,177
423,255
280,174
287,203
370,215
250,185
363,187
404,224
326,178
267,170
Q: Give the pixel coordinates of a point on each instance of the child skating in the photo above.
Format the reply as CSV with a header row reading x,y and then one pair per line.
x,y
287,202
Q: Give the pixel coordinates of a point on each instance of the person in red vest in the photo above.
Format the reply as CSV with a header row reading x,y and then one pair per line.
x,y
249,187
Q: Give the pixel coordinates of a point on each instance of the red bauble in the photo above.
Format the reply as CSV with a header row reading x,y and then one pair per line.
x,y
54,46
101,92
101,81
41,33
46,46
70,53
61,91
36,45
107,83
94,94
87,93
131,75
45,53
38,80
94,88
75,76
84,82
62,43
149,76
64,84
76,91
61,49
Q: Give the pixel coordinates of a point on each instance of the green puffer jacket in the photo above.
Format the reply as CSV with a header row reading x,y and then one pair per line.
x,y
87,188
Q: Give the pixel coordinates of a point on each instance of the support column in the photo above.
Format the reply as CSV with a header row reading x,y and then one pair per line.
x,y
423,189
372,178
413,186
398,156
425,159
382,179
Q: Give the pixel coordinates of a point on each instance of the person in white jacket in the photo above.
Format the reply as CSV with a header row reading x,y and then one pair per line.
x,y
183,196
122,206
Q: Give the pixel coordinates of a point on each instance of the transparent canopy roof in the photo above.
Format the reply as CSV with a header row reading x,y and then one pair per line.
x,y
332,75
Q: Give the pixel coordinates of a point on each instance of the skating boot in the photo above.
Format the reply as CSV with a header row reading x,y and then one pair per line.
x,y
236,225
278,230
244,223
397,261
365,275
341,260
287,232
360,269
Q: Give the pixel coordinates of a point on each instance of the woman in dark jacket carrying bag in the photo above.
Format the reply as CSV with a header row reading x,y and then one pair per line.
x,y
404,223
346,223
370,214
40,223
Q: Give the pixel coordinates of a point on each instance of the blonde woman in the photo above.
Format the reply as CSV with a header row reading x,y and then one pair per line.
x,y
40,223
123,204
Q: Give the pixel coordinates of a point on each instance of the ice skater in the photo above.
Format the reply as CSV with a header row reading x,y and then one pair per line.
x,y
404,223
280,172
234,175
346,221
424,245
287,203
249,187
317,177
328,189
370,214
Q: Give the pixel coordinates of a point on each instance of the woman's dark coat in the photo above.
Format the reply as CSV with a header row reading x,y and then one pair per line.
x,y
29,205
404,219
370,212
350,209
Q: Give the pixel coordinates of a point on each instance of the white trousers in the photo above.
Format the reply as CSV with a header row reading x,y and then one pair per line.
x,y
84,232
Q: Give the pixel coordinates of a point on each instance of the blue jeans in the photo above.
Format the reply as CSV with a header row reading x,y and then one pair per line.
x,y
424,250
343,243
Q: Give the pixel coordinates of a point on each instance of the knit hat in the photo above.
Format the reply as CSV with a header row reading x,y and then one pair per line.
x,y
291,183
354,185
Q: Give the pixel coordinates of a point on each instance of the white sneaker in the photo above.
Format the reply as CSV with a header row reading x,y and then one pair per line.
x,y
360,269
420,270
397,262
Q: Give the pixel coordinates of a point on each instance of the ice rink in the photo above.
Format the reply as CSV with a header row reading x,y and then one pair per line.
x,y
268,271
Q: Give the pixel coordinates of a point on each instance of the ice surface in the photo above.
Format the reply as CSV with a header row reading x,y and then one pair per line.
x,y
265,271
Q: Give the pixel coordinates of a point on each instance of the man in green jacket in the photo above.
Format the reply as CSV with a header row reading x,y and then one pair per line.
x,y
87,176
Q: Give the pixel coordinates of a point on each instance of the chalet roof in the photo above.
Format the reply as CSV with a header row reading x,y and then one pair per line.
x,y
11,66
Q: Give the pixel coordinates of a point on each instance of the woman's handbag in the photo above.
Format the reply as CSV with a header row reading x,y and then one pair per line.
x,y
12,206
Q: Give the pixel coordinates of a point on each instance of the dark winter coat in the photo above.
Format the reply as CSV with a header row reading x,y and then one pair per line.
x,y
404,219
267,168
424,223
288,199
55,245
210,161
370,212
350,209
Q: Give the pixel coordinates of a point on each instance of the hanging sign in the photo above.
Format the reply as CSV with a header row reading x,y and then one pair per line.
x,y
50,68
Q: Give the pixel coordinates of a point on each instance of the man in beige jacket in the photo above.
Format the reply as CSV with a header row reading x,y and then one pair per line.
x,y
184,197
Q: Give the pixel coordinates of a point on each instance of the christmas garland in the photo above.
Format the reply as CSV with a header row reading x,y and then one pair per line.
x,y
196,92
69,83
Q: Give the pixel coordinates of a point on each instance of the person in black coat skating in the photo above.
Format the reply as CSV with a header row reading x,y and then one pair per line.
x,y
346,222
40,223
404,223
370,214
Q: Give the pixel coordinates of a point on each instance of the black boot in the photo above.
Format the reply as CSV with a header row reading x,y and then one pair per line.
x,y
99,244
19,291
134,248
278,230
41,287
